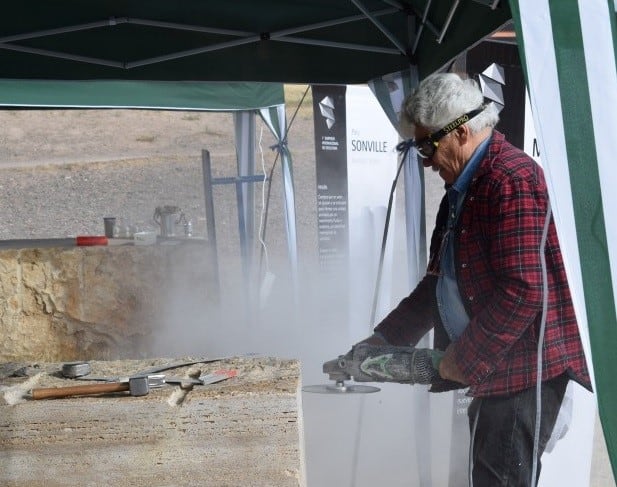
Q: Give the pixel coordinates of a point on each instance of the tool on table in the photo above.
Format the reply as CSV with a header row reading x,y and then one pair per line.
x,y
151,372
72,370
380,363
167,217
81,369
155,380
90,240
218,376
139,384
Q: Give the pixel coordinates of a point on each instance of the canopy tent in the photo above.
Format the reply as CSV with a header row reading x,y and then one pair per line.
x,y
567,47
299,41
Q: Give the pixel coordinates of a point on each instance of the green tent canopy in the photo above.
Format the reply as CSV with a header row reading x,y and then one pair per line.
x,y
188,95
295,41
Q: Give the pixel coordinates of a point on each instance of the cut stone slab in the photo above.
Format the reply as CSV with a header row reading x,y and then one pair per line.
x,y
243,431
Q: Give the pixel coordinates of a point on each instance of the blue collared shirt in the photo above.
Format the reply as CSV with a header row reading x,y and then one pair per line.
x,y
451,308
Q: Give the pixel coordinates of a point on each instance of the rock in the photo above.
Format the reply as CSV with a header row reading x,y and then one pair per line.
x,y
92,302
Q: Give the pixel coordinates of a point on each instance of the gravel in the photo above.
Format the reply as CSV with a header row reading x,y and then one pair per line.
x,y
63,171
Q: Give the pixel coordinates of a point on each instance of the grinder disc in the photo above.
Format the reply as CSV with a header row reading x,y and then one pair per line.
x,y
340,388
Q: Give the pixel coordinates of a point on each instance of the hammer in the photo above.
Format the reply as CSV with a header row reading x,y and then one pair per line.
x,y
137,386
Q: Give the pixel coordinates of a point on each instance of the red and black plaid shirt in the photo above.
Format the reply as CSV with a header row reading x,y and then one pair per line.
x,y
499,274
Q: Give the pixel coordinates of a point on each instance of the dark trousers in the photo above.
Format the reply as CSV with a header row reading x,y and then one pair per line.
x,y
504,434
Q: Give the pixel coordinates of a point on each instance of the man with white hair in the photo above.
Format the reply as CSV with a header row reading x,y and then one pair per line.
x,y
495,291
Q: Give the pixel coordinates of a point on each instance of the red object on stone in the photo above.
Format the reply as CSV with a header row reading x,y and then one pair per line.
x,y
89,240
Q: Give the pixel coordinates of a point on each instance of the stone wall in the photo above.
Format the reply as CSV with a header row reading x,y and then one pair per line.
x,y
79,303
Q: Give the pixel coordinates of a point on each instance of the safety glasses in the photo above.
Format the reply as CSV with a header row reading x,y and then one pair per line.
x,y
426,146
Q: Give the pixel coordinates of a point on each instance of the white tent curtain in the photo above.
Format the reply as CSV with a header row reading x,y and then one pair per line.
x,y
568,51
274,117
390,91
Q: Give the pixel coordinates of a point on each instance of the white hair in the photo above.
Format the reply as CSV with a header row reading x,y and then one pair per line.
x,y
441,98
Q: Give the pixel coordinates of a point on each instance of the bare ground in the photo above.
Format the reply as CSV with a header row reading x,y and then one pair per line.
x,y
62,171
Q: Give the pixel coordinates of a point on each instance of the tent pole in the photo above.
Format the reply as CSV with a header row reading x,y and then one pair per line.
x,y
448,21
332,23
340,45
380,26
210,226
64,30
421,28
62,55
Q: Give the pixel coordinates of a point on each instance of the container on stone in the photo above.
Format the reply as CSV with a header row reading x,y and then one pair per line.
x,y
109,223
122,229
187,224
167,217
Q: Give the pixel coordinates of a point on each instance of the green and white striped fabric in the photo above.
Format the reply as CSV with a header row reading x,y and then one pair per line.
x,y
568,51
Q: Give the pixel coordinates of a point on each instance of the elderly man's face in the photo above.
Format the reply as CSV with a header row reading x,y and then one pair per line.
x,y
448,158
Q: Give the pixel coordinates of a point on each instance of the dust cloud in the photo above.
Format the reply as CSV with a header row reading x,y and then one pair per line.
x,y
399,436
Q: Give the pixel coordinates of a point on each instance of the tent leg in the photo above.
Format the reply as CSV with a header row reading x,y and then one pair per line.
x,y
210,226
244,122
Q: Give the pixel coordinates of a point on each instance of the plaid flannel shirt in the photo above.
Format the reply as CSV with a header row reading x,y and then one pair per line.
x,y
497,239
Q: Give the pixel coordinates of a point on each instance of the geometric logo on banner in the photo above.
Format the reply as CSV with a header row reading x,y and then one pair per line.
x,y
491,81
326,107
494,72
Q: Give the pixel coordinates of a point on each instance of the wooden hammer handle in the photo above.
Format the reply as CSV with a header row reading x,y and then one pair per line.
x,y
57,392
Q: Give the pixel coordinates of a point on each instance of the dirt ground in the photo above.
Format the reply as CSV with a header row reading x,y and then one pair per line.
x,y
62,171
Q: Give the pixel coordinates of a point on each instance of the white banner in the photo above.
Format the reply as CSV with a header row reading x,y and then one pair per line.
x,y
371,168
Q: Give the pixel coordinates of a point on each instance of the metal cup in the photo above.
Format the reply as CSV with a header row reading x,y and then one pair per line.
x,y
110,223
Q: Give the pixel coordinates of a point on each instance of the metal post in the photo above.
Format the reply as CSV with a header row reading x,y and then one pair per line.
x,y
210,227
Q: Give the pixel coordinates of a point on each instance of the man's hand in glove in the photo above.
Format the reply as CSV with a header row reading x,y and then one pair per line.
x,y
448,369
387,363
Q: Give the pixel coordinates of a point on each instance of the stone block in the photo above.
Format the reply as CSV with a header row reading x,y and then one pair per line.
x,y
76,303
245,431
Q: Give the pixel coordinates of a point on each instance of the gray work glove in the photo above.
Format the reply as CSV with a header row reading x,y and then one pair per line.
x,y
388,363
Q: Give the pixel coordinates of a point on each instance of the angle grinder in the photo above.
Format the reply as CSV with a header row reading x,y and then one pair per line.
x,y
380,363
337,371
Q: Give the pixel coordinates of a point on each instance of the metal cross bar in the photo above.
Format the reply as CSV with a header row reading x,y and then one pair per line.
x,y
380,26
448,20
341,45
331,23
192,28
424,15
488,3
64,30
62,55
240,179
192,52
